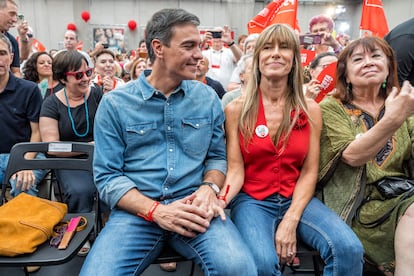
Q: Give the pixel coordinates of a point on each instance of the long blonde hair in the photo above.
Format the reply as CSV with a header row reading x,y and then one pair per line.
x,y
295,99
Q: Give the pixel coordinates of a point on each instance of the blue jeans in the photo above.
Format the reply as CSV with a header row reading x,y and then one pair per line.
x,y
128,244
319,227
39,175
79,190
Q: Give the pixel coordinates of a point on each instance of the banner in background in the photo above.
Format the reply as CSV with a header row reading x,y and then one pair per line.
x,y
265,17
373,21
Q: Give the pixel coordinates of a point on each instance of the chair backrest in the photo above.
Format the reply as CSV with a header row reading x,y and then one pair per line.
x,y
18,162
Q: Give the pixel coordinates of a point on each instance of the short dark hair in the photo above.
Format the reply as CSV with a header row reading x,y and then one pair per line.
x,y
161,26
104,51
6,40
315,62
66,61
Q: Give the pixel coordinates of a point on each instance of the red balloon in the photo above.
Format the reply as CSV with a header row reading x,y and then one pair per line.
x,y
132,25
85,16
71,26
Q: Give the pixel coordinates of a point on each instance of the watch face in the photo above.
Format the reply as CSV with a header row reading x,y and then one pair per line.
x,y
213,186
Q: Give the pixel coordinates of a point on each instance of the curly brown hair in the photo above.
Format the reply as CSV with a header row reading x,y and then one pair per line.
x,y
30,68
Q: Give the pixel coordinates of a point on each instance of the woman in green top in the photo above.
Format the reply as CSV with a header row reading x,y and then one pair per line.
x,y
367,135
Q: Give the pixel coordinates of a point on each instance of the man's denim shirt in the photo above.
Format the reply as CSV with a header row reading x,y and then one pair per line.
x,y
161,146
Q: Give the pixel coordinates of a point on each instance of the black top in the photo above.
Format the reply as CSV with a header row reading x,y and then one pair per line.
x,y
401,39
216,86
53,108
16,51
20,104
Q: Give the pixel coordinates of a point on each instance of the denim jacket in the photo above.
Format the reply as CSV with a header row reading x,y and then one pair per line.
x,y
161,146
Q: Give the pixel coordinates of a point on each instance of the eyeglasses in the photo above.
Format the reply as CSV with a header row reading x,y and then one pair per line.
x,y
79,74
58,232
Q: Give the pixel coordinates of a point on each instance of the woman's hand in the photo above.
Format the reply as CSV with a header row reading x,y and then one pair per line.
x,y
399,105
285,240
313,88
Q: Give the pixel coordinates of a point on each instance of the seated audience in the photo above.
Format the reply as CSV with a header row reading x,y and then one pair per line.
x,y
249,45
320,62
38,69
68,115
201,75
138,66
367,137
222,60
272,138
324,26
105,71
20,103
159,161
244,66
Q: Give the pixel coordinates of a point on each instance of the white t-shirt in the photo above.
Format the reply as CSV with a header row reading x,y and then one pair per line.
x,y
221,64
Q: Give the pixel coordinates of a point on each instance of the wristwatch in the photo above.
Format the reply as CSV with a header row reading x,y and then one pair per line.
x,y
213,186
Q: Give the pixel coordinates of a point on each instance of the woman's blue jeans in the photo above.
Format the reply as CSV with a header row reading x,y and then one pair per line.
x,y
319,227
128,244
39,175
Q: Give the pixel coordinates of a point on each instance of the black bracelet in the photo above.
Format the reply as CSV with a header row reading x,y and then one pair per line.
x,y
231,43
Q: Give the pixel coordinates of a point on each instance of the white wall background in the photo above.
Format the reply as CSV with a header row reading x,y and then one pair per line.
x,y
49,18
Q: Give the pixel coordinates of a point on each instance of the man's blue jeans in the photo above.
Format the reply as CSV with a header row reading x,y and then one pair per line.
x,y
319,227
39,175
128,244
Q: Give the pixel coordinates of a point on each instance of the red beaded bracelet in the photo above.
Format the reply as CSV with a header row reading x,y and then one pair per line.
x,y
225,195
148,216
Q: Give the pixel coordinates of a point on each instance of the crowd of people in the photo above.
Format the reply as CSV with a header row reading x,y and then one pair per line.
x,y
191,124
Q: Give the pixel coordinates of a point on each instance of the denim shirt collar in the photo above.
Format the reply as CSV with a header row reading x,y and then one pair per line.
x,y
149,91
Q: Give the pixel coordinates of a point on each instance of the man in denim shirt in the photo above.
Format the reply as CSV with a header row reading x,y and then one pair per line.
x,y
159,161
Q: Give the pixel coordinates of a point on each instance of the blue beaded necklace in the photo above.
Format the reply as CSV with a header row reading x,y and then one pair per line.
x,y
71,118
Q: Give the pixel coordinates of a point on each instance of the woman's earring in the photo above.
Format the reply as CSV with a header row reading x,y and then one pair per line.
x,y
384,84
348,87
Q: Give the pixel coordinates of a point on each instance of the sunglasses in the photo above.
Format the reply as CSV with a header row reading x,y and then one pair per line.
x,y
58,232
79,74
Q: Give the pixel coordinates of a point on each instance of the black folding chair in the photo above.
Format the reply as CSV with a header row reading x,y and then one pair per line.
x,y
46,255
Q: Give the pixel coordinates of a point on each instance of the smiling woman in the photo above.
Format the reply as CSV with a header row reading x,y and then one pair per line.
x,y
368,136
38,68
272,138
105,69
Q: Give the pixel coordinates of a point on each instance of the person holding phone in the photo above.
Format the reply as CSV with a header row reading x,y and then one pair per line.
x,y
8,19
105,71
323,25
222,60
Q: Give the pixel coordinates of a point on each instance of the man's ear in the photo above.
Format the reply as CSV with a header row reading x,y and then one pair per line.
x,y
158,48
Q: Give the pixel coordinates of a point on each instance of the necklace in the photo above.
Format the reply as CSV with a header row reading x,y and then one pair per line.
x,y
71,118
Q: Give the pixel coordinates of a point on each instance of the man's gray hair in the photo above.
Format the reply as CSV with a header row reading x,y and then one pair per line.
x,y
6,40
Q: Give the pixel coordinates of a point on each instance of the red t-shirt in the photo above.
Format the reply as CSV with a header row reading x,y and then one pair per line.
x,y
268,169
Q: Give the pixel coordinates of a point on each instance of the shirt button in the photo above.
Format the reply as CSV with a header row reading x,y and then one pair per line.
x,y
141,131
275,170
169,128
171,150
166,188
171,169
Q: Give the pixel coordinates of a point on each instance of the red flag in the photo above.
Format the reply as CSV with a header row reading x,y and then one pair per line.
x,y
264,17
327,79
79,46
287,14
373,18
306,56
38,45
